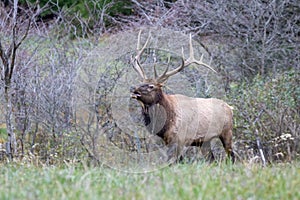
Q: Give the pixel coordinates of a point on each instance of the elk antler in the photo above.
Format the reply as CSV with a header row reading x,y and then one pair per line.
x,y
184,63
136,60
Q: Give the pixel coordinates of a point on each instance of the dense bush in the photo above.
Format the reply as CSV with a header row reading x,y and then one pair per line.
x,y
82,17
268,106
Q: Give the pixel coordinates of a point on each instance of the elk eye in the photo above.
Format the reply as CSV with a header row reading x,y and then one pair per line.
x,y
151,86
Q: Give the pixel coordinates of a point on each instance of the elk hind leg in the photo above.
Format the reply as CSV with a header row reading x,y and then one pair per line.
x,y
226,140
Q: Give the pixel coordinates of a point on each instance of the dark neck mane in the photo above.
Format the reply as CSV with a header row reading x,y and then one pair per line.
x,y
161,111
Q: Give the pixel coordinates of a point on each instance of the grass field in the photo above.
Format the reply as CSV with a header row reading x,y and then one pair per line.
x,y
182,181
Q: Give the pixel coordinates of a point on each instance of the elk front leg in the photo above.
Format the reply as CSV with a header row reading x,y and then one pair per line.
x,y
217,149
174,151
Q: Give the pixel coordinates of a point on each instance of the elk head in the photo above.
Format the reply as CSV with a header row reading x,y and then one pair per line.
x,y
149,92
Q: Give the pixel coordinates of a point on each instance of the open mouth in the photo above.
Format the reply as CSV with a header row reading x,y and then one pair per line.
x,y
135,95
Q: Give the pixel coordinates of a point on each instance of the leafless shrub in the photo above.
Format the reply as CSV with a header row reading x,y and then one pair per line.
x,y
38,75
16,25
262,36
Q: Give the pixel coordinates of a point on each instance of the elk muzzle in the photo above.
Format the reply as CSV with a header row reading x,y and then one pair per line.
x,y
135,94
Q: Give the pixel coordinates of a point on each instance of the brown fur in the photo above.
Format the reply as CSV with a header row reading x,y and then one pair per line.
x,y
180,120
186,121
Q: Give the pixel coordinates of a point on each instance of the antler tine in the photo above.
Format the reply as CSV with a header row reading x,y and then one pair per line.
x,y
154,66
136,60
184,64
155,71
162,78
192,59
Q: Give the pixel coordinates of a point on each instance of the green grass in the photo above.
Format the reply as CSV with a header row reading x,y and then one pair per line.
x,y
183,181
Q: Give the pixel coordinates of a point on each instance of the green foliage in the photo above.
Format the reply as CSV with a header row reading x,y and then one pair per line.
x,y
3,132
83,17
271,107
84,6
200,181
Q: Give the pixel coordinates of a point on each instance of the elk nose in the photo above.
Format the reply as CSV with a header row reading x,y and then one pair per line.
x,y
132,88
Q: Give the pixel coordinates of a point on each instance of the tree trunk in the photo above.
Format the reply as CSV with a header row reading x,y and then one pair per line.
x,y
11,147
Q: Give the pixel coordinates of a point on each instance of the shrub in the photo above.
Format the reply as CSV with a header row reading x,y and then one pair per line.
x,y
270,107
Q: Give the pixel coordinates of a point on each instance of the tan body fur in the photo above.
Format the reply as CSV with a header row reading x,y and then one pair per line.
x,y
180,120
197,120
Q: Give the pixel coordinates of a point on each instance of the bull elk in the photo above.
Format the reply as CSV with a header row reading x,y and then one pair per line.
x,y
180,120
